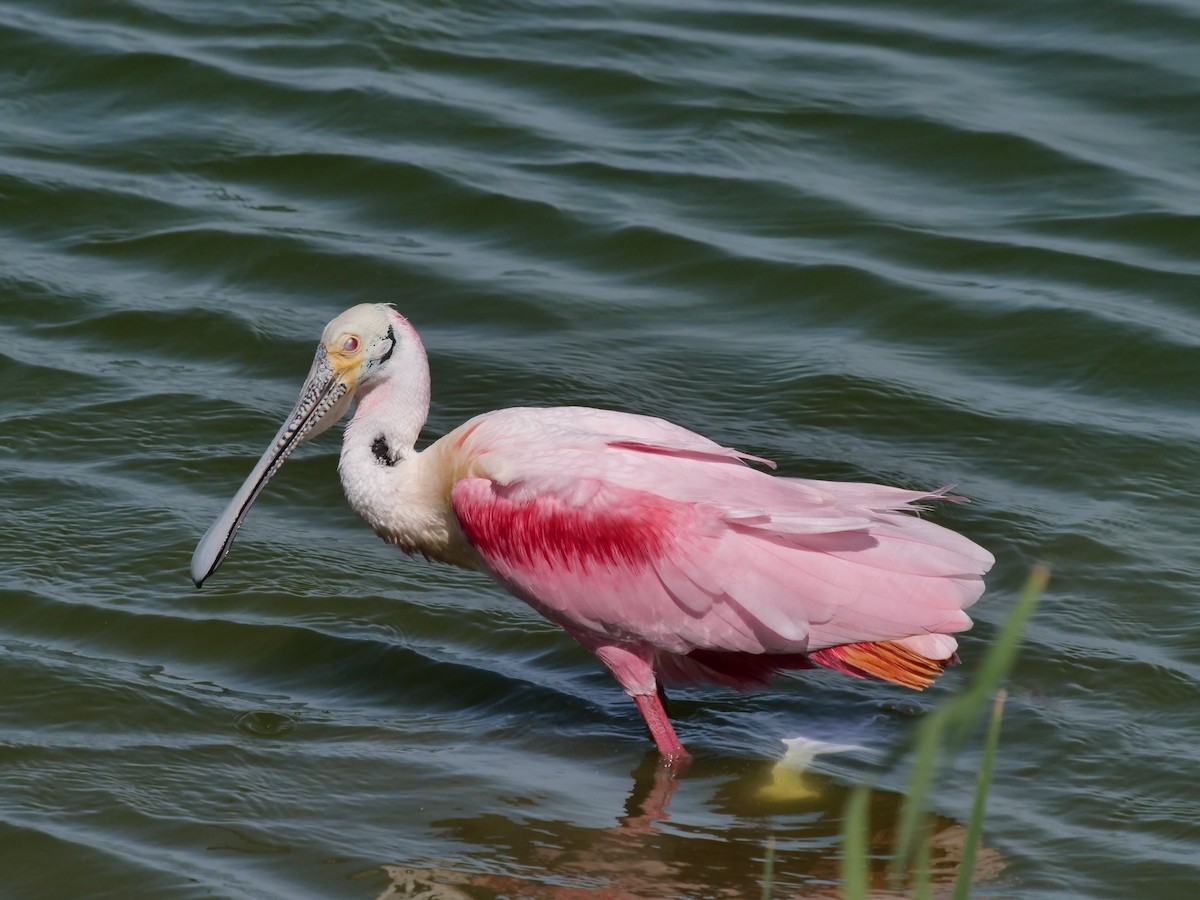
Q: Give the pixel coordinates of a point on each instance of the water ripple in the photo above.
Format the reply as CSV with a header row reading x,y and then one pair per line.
x,y
871,241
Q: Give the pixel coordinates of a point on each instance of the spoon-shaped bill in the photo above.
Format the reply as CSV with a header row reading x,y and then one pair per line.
x,y
323,400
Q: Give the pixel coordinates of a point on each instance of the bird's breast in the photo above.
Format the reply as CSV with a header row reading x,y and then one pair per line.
x,y
407,504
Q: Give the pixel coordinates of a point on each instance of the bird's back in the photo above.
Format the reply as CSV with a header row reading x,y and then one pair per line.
x,y
628,528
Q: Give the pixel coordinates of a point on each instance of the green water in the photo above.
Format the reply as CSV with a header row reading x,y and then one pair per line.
x,y
912,243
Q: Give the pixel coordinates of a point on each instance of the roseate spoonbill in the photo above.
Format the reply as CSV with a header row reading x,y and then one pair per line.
x,y
663,553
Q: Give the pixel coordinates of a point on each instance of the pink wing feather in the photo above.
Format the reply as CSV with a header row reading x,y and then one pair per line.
x,y
629,530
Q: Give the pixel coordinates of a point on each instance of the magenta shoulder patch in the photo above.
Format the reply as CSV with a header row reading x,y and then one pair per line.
x,y
627,528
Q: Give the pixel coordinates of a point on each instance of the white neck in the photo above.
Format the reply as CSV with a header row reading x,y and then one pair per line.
x,y
398,491
394,404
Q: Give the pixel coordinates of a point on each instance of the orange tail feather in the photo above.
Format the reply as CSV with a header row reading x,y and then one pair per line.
x,y
882,659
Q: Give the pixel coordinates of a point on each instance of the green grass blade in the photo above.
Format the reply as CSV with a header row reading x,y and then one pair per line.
x,y
768,887
946,728
966,870
856,866
923,863
920,784
940,734
999,660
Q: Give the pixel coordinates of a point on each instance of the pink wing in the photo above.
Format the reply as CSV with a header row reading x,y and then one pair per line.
x,y
631,530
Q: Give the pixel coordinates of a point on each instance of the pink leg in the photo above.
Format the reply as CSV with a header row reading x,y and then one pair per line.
x,y
660,728
633,666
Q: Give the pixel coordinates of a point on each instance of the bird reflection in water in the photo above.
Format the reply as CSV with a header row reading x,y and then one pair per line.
x,y
719,853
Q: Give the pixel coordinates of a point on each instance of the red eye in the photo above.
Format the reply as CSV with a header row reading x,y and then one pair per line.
x,y
351,345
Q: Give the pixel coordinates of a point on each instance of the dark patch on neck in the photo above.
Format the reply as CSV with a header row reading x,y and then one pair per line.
x,y
391,336
381,451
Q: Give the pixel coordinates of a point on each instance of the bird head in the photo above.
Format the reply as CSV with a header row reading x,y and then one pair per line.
x,y
354,350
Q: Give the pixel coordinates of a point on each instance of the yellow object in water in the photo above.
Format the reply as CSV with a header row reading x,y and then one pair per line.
x,y
791,779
